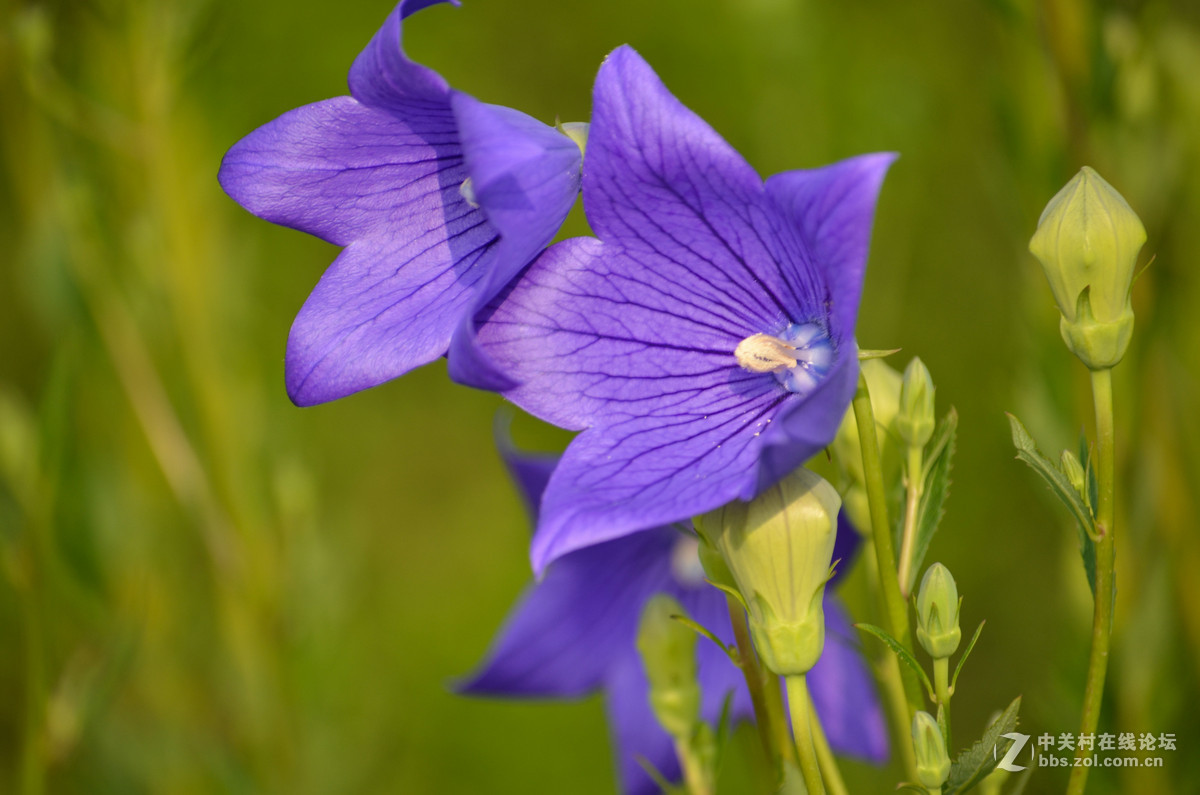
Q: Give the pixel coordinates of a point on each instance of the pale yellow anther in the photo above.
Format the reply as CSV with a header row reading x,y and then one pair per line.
x,y
762,353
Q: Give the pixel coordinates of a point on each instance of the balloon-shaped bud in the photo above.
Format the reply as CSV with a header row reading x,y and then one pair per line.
x,y
668,650
779,548
933,764
937,613
1088,240
915,418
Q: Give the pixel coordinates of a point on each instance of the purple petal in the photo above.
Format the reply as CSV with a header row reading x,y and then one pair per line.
x,y
636,732
571,627
383,77
389,303
843,693
805,426
343,171
525,176
686,206
652,469
531,471
834,207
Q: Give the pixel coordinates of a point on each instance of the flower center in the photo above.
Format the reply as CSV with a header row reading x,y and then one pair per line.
x,y
685,562
799,359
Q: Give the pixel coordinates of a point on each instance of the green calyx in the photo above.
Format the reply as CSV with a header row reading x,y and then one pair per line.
x,y
937,613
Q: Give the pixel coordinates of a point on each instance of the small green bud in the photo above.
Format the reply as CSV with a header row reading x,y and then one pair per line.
x,y
668,651
577,131
1088,240
884,382
915,418
933,764
779,548
1074,472
937,612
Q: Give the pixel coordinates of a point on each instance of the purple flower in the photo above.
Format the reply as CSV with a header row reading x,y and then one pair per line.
x,y
574,632
439,200
704,343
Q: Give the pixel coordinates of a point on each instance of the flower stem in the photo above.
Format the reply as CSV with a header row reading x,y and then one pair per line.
x,y
802,720
908,542
941,688
695,778
881,533
825,759
1093,695
767,701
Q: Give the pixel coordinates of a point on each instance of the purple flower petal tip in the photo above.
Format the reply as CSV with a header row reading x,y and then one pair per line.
x,y
439,201
703,341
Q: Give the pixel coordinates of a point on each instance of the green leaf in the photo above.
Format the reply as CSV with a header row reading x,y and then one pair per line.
x,y
724,730
966,653
700,629
1087,547
937,487
876,354
975,763
1061,487
663,783
904,654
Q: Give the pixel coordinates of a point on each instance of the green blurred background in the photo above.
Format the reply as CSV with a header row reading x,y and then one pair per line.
x,y
207,590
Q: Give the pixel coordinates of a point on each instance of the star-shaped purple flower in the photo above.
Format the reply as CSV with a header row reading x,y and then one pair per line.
x,y
439,200
574,632
704,341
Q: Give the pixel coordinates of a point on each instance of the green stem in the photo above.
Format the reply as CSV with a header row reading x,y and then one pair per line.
x,y
825,759
695,777
881,532
941,687
802,720
768,705
1093,695
908,541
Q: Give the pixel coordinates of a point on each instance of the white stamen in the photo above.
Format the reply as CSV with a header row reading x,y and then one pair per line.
x,y
762,353
467,191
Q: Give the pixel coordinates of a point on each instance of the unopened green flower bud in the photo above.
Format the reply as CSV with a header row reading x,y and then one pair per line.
x,y
779,548
915,418
884,383
933,764
937,612
668,651
1088,240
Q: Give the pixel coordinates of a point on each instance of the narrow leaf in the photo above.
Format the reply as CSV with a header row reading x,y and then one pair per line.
x,y
663,783
702,630
1087,547
975,763
937,487
966,653
876,354
904,654
1061,487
